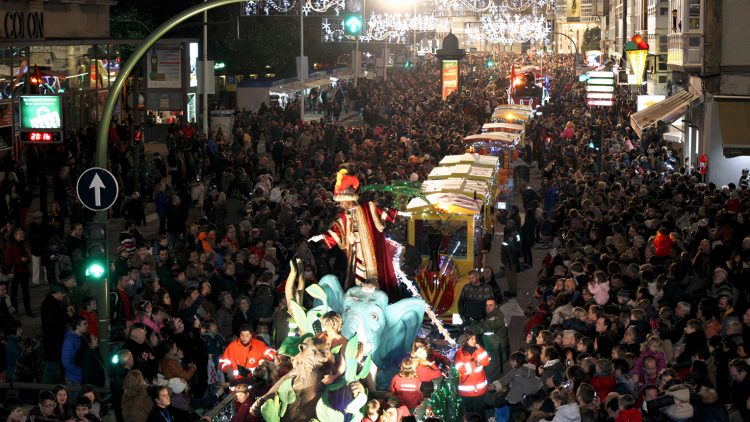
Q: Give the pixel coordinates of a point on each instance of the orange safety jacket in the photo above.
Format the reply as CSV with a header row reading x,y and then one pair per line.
x,y
237,354
470,366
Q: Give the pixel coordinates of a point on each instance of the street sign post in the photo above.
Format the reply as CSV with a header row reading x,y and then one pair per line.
x,y
97,189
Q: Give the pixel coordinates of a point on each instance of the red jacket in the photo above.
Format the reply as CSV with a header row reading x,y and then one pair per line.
x,y
93,321
237,354
603,384
662,245
629,415
471,379
407,391
428,373
13,254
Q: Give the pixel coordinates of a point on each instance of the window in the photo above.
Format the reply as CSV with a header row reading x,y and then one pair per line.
x,y
694,41
694,14
663,11
662,62
663,79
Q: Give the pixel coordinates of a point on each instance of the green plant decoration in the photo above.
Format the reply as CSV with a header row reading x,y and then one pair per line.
x,y
270,410
300,317
286,395
275,409
325,412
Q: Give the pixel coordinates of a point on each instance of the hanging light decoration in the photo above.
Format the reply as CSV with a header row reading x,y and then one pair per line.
x,y
393,27
475,6
332,30
321,6
499,27
521,5
266,7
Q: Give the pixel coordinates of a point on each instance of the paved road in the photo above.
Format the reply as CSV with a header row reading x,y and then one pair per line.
x,y
526,280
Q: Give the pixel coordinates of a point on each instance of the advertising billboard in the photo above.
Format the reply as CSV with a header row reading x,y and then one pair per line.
x,y
450,77
573,10
40,112
164,66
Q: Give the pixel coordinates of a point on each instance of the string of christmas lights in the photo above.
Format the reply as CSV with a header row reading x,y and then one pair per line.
x,y
266,7
498,27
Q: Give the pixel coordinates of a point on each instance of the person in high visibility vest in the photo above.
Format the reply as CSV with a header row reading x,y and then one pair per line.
x,y
246,352
470,361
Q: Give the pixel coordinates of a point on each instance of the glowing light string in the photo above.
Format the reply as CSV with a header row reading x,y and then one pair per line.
x,y
257,7
403,279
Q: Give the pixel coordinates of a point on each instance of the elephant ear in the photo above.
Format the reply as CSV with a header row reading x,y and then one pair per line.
x,y
334,293
403,320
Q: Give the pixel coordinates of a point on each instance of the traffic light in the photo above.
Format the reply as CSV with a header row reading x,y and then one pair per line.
x,y
408,65
353,24
490,63
95,268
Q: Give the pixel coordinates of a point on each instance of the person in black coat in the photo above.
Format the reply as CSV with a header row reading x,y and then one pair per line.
x,y
133,210
55,317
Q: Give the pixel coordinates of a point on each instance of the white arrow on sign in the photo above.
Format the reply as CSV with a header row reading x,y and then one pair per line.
x,y
97,185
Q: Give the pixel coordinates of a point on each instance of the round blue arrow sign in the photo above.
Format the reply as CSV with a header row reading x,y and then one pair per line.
x,y
97,189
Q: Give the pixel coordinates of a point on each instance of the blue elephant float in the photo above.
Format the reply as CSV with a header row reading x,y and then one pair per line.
x,y
380,331
386,331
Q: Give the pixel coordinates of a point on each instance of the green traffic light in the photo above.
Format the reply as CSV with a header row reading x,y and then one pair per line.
x,y
353,24
490,63
95,270
116,359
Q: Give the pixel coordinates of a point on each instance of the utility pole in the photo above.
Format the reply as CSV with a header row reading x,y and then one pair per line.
x,y
302,67
204,100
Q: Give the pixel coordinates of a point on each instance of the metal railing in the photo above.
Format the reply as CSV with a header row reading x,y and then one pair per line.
x,y
223,411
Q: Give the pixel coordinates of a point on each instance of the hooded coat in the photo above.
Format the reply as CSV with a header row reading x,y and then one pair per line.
x,y
521,381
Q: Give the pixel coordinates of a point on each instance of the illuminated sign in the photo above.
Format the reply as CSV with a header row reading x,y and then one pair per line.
x,y
40,112
450,77
600,88
41,137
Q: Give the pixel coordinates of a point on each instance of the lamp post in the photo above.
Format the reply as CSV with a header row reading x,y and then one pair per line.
x,y
575,45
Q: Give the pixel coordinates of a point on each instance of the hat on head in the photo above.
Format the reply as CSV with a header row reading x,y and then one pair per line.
x,y
346,187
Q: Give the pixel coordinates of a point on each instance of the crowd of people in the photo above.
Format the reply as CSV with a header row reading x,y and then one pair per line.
x,y
640,311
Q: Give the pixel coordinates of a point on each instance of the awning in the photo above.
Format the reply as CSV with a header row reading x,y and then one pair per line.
x,y
734,122
665,111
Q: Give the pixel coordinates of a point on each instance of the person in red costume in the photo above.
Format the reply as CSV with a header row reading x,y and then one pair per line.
x,y
358,231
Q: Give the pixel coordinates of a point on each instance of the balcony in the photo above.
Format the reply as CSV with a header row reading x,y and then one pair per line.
x,y
684,51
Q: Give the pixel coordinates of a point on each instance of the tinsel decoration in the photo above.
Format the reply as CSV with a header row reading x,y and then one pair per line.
x,y
403,279
445,402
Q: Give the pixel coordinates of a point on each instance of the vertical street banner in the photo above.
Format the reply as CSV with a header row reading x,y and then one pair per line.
x,y
164,66
450,77
573,10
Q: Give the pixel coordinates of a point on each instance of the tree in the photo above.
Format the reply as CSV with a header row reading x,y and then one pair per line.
x,y
591,39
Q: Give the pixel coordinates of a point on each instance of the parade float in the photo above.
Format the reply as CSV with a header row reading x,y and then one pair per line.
x,y
448,225
446,219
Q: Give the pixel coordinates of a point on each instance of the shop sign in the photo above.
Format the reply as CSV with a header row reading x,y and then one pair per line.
x,y
23,26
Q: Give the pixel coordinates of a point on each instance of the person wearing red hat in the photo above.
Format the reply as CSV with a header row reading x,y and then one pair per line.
x,y
358,231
